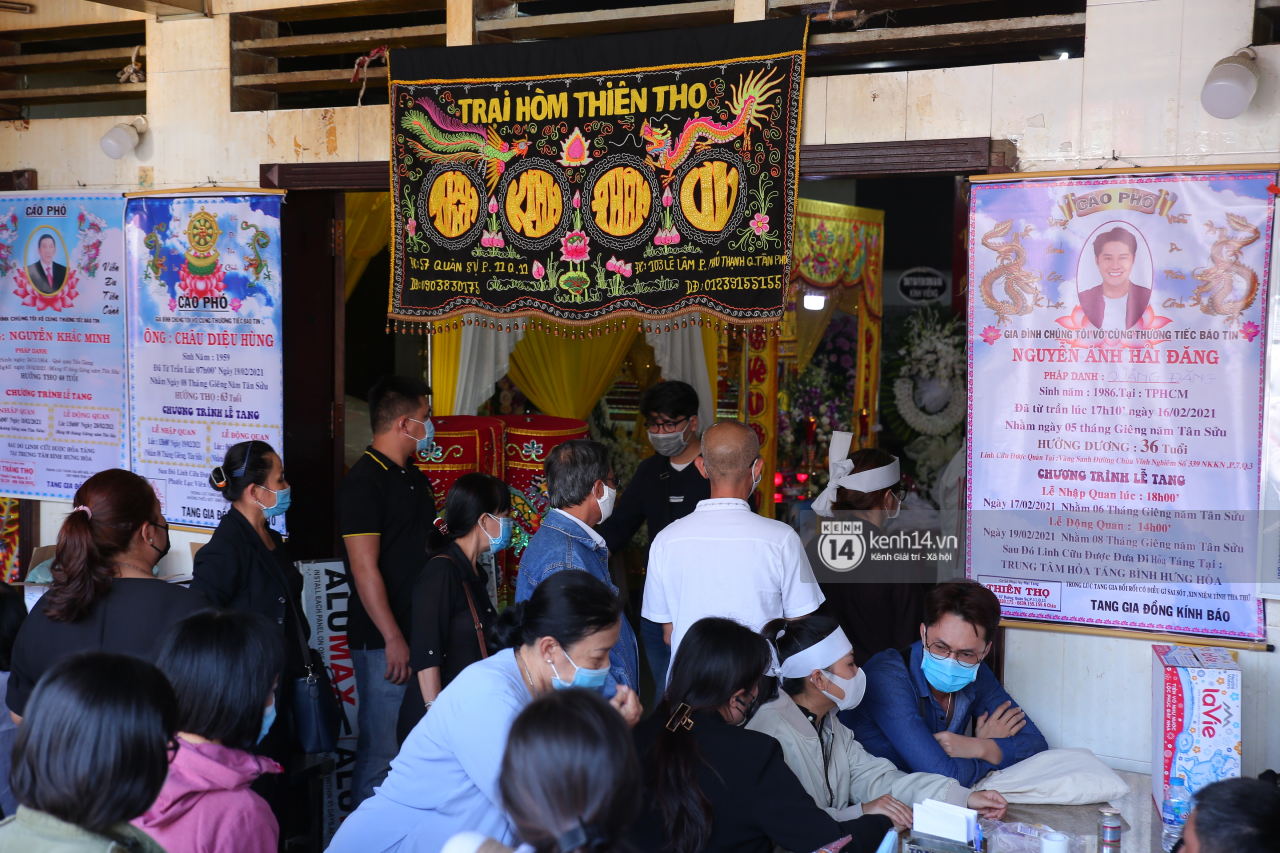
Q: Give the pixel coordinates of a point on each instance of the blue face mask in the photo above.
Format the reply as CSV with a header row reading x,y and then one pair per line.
x,y
267,719
503,539
947,674
424,443
282,502
592,679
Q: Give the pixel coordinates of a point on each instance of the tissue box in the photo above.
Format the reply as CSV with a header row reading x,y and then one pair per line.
x,y
1195,707
920,842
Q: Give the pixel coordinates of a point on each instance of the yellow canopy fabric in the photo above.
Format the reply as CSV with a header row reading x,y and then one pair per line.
x,y
711,351
366,231
446,354
839,250
810,327
566,378
837,244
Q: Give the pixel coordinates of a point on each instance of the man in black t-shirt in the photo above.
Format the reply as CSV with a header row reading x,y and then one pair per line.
x,y
385,508
666,486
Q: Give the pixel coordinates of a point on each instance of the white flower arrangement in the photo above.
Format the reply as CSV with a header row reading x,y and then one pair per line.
x,y
940,423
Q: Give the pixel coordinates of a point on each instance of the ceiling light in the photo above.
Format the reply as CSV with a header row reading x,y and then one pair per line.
x,y
123,138
1231,85
814,301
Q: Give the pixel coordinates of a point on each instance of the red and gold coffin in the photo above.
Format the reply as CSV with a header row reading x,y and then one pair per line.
x,y
528,439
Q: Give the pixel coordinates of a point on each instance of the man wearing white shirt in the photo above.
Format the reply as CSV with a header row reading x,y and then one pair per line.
x,y
723,559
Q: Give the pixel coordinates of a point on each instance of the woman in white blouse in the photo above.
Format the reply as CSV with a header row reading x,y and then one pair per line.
x,y
818,679
445,779
570,778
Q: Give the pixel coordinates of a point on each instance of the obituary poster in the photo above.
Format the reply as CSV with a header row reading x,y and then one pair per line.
x,y
1116,375
62,342
205,369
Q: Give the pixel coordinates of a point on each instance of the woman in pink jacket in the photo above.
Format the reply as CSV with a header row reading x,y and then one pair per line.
x,y
224,668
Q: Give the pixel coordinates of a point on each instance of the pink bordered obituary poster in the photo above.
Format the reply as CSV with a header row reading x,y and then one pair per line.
x,y
1116,370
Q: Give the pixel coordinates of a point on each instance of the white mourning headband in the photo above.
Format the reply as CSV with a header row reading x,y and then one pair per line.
x,y
820,655
840,473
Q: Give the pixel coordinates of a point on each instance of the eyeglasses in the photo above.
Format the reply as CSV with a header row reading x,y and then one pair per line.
x,y
611,482
665,427
941,651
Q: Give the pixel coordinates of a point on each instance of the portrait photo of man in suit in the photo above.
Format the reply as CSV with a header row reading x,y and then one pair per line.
x,y
1117,302
47,276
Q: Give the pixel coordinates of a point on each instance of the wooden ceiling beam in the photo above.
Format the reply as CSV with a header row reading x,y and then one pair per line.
x,y
307,81
362,41
947,35
576,24
808,7
77,60
110,28
159,8
74,94
348,10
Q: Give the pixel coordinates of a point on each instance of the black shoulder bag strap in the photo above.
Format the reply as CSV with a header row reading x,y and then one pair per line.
x,y
905,651
475,615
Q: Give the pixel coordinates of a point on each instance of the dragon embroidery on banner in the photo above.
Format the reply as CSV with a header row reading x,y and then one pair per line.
x,y
441,137
749,101
1214,295
1019,284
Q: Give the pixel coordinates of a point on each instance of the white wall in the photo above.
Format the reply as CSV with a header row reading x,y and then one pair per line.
x,y
1095,691
1135,92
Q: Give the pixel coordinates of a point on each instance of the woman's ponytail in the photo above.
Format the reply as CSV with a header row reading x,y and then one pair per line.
x,y
508,631
567,606
109,509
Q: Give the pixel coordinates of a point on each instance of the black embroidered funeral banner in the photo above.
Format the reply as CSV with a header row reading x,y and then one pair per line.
x,y
646,174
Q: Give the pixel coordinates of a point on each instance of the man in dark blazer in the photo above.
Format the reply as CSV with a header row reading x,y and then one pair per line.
x,y
47,276
1114,251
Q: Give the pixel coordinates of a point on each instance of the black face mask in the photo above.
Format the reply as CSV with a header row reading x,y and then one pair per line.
x,y
168,542
748,709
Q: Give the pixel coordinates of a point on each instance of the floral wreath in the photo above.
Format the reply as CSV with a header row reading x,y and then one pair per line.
x,y
939,423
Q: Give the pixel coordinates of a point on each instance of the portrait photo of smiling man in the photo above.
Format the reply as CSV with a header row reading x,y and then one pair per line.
x,y
46,274
1117,302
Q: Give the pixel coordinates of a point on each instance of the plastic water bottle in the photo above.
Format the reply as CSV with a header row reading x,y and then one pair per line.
x,y
1173,814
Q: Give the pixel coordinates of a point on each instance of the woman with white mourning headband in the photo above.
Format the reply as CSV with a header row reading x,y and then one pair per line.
x,y
878,603
817,679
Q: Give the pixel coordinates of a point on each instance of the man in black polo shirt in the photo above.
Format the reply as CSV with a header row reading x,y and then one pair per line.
x,y
666,486
385,507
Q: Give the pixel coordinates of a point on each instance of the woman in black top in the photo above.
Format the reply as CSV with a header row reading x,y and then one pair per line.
x,y
712,786
451,594
105,595
245,566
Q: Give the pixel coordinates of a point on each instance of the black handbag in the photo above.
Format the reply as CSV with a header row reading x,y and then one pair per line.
x,y
317,714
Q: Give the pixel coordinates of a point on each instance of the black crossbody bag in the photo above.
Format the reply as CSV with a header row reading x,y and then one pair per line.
x,y
317,714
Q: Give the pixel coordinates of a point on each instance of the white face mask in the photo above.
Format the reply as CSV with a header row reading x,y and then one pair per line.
x,y
897,508
755,478
669,445
606,503
853,688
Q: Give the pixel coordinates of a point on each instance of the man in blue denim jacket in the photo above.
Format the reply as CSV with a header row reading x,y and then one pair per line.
x,y
915,714
581,488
